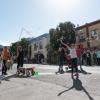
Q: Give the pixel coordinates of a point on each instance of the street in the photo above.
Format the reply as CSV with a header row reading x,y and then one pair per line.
x,y
49,86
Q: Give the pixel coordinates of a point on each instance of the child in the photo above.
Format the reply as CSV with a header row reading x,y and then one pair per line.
x,y
73,56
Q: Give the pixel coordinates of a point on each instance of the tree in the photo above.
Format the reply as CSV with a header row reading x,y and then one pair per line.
x,y
53,39
52,47
23,42
13,48
67,30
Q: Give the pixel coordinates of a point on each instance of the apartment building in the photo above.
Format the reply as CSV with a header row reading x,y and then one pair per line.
x,y
89,34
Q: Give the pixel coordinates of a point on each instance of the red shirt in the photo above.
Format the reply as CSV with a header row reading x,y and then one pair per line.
x,y
78,51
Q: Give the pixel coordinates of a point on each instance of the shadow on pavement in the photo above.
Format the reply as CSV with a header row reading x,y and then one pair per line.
x,y
77,84
7,78
80,71
83,71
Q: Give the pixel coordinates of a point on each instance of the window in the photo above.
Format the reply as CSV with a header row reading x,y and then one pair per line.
x,y
94,34
35,46
81,37
40,46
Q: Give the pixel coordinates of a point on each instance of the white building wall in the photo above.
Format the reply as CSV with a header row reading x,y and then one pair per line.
x,y
44,41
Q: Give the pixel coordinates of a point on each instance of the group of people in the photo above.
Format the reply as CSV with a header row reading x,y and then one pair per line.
x,y
76,55
91,57
70,51
7,59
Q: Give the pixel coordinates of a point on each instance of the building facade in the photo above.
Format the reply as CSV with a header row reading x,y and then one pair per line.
x,y
89,34
37,47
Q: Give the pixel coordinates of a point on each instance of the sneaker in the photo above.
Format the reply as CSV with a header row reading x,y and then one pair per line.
x,y
2,73
62,71
77,75
5,74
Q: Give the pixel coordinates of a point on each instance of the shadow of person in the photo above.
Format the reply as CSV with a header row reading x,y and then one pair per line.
x,y
83,71
77,85
7,78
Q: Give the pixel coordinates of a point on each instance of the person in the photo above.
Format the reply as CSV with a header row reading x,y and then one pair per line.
x,y
94,57
5,56
98,56
84,57
9,63
20,57
61,59
79,56
88,57
73,56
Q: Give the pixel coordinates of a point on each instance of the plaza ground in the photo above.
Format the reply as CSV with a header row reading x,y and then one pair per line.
x,y
49,86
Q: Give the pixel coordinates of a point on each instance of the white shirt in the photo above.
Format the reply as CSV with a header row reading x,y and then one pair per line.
x,y
73,53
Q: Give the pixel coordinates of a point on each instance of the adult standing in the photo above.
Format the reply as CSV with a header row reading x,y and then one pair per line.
x,y
61,59
94,57
84,61
61,55
88,57
20,57
98,56
5,56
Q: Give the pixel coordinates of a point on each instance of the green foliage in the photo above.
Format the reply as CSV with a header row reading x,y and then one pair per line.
x,y
47,46
67,30
13,48
23,42
53,39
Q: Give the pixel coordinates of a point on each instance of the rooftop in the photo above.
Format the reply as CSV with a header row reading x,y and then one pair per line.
x,y
88,24
39,38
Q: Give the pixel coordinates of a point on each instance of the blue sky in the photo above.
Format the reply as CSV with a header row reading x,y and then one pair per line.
x,y
38,16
